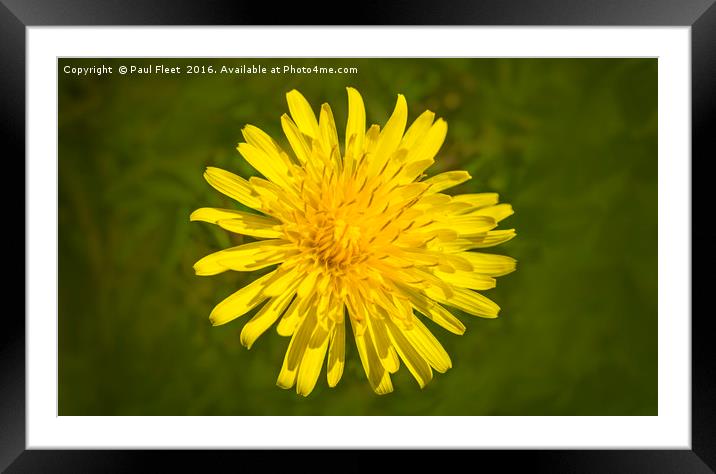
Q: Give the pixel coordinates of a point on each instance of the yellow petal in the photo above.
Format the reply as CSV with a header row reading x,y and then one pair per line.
x,y
274,197
446,180
214,215
275,170
303,336
247,257
299,145
392,132
349,158
386,353
295,351
355,127
477,200
439,259
465,279
378,377
428,346
444,211
463,225
324,312
327,127
371,138
359,319
336,354
414,170
240,222
261,140
415,363
240,302
418,129
497,212
233,186
490,264
430,201
288,323
421,279
284,280
437,313
467,301
488,239
302,113
312,361
263,320
308,283
494,237
253,226
429,146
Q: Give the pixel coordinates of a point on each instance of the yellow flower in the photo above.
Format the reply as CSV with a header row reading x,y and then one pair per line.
x,y
360,238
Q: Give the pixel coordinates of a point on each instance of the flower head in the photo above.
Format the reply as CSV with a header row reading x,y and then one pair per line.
x,y
359,236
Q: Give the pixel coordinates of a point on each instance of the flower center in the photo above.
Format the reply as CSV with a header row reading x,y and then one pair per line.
x,y
335,242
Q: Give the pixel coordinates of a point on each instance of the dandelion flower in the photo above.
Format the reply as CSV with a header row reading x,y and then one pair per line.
x,y
358,236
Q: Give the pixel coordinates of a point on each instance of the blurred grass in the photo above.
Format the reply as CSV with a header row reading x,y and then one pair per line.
x,y
571,143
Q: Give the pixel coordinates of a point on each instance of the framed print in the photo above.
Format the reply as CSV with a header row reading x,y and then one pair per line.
x,y
477,237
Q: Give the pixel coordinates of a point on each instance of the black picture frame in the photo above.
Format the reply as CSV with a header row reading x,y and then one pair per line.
x,y
700,15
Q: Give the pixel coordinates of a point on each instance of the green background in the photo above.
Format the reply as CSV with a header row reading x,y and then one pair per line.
x,y
570,143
